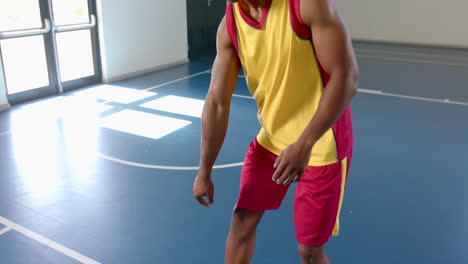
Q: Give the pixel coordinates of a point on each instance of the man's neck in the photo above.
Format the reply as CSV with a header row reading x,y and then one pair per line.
x,y
255,3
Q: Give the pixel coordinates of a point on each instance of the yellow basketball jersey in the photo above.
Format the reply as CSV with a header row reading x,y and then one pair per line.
x,y
285,78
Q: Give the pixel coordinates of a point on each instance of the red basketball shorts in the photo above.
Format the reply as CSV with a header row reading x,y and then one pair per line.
x,y
317,200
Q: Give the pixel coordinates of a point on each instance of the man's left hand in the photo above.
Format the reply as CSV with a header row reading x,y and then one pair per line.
x,y
292,163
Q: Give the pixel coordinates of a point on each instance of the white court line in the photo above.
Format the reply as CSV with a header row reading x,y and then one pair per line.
x,y
177,80
445,101
413,60
4,230
376,92
179,168
5,133
409,53
368,91
243,96
54,245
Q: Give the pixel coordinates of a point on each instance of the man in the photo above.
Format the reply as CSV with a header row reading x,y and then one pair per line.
x,y
300,68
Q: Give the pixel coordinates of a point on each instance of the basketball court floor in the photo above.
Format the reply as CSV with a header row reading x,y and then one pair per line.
x,y
104,174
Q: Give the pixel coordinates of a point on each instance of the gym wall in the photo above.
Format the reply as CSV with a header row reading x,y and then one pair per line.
x,y
140,36
425,22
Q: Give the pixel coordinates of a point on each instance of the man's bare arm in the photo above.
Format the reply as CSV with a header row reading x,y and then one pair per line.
x,y
216,112
333,48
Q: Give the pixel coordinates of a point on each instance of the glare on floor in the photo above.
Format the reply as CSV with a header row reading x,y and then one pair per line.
x,y
62,106
115,93
143,124
177,105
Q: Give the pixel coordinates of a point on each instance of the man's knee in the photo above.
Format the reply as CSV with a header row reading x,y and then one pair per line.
x,y
244,222
246,216
311,252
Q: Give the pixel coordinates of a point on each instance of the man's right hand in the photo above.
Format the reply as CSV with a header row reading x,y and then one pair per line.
x,y
216,110
203,187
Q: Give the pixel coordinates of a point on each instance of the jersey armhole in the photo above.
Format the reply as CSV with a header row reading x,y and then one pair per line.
x,y
231,26
303,31
298,25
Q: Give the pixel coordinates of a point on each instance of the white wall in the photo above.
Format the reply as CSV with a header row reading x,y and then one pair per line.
x,y
141,35
427,22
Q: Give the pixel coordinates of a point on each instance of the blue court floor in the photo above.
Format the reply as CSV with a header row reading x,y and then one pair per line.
x,y
104,174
